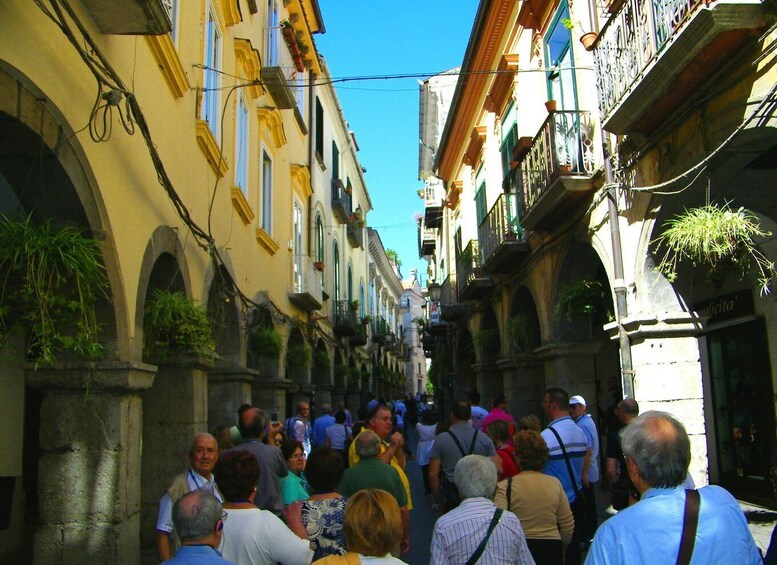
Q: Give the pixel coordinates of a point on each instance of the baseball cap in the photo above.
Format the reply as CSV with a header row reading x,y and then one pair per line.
x,y
577,399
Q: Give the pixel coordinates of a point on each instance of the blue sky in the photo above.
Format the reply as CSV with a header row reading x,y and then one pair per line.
x,y
378,37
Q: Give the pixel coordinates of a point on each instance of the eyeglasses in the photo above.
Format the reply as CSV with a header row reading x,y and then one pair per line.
x,y
224,515
297,456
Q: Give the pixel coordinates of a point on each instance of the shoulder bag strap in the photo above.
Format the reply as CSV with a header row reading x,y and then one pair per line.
x,y
566,458
456,441
690,521
472,445
479,551
509,491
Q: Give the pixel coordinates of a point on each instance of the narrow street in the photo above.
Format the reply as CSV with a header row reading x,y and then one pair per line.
x,y
422,518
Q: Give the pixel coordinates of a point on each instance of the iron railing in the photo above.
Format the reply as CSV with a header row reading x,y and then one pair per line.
x,y
341,201
631,40
501,225
468,264
562,146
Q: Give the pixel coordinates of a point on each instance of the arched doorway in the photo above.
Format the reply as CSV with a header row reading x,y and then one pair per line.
x,y
524,379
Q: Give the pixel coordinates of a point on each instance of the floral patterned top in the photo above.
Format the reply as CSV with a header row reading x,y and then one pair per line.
x,y
323,519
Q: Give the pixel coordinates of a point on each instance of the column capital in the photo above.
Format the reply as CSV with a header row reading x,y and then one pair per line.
x,y
102,376
662,324
567,349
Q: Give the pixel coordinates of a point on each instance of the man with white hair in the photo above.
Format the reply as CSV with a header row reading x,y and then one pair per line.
x,y
670,524
477,529
203,454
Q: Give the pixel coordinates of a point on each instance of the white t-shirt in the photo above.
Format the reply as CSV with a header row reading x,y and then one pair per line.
x,y
258,537
387,559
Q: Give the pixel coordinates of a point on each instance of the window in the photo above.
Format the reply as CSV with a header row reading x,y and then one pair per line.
x,y
335,161
361,300
241,144
271,35
266,206
509,138
299,91
320,246
336,260
480,203
558,54
349,282
297,243
319,129
171,7
212,74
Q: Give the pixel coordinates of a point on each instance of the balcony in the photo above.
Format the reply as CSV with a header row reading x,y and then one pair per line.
x,y
474,283
502,240
130,17
341,201
305,291
557,169
345,319
452,309
354,231
274,81
427,240
651,56
360,335
433,199
379,329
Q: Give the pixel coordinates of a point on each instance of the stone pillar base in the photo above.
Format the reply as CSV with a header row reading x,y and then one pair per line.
x,y
572,366
228,389
489,382
89,468
523,385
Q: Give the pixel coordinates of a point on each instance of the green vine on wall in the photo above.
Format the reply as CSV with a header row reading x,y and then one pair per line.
x,y
266,342
174,323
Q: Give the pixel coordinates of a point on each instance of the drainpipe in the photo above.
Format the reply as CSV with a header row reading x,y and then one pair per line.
x,y
619,284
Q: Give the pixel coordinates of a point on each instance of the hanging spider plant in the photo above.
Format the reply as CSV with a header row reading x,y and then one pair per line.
x,y
717,237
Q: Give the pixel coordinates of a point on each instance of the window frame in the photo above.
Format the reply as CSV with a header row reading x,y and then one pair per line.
x,y
212,59
266,197
242,142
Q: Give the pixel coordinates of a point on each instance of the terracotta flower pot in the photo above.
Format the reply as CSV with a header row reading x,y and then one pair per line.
x,y
588,40
550,105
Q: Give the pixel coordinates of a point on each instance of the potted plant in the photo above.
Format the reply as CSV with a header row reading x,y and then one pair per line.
x,y
550,105
355,305
319,266
51,289
717,237
578,299
297,357
588,39
173,323
487,344
266,342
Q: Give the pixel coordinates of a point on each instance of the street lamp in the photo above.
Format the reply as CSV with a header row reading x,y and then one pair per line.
x,y
435,291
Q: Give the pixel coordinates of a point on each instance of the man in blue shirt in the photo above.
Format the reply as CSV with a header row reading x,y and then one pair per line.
x,y
198,520
590,478
658,452
321,423
566,463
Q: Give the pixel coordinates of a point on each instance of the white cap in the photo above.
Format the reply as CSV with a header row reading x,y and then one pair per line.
x,y
577,399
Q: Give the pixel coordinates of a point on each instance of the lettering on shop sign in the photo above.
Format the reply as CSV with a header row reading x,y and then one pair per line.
x,y
726,307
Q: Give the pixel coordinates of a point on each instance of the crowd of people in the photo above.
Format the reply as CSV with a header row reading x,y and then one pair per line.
x,y
335,490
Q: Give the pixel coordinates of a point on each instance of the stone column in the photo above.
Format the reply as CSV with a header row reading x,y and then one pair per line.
x,y
523,385
668,376
571,366
174,410
270,395
489,380
89,466
228,389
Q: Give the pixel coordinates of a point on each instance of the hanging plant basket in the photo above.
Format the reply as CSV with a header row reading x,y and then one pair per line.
x,y
578,299
174,323
717,237
588,40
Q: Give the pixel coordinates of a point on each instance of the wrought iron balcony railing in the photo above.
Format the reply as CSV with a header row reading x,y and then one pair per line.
x,y
644,48
305,289
354,231
345,319
341,201
562,148
500,235
427,239
379,329
472,280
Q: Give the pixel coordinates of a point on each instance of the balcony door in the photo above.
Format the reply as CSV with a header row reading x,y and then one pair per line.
x,y
297,243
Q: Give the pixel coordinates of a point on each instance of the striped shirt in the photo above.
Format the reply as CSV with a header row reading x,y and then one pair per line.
x,y
458,534
650,531
576,445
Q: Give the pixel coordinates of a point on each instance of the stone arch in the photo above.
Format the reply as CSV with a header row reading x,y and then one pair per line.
x,y
225,318
163,267
297,359
46,175
488,351
260,320
583,360
523,333
339,371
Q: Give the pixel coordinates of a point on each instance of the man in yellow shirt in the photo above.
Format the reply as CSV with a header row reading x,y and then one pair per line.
x,y
391,452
